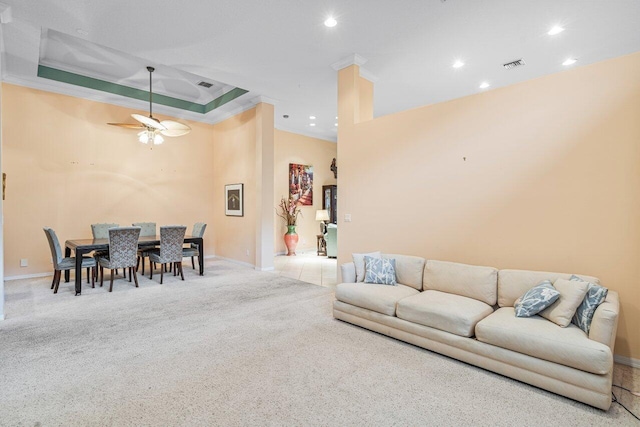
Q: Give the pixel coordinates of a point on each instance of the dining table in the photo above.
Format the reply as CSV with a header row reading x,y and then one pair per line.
x,y
84,246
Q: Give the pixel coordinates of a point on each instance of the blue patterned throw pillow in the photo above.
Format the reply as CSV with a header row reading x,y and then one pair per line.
x,y
380,271
596,295
536,299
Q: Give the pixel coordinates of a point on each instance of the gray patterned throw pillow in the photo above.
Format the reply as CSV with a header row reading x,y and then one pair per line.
x,y
536,299
596,295
380,271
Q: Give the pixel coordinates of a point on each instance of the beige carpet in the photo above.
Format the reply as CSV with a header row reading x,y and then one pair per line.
x,y
238,347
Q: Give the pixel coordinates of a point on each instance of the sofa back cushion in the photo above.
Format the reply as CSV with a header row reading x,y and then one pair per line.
x,y
470,281
512,284
409,269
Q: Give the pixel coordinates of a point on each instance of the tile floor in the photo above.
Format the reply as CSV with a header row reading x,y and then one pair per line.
x,y
629,378
308,267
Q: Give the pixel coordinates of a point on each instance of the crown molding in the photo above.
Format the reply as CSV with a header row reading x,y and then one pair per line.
x,y
353,59
261,98
366,74
97,96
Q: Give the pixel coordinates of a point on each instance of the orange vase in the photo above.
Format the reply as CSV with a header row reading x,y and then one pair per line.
x,y
291,240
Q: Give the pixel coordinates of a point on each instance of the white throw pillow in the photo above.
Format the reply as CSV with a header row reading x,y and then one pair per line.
x,y
358,261
571,295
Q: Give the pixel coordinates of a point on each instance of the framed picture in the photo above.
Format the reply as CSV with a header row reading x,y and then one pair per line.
x,y
301,184
234,196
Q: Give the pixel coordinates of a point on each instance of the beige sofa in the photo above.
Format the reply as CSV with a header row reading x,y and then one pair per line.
x,y
466,312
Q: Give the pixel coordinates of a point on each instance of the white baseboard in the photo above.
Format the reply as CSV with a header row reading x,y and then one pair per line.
x,y
28,276
209,256
629,361
1,317
265,268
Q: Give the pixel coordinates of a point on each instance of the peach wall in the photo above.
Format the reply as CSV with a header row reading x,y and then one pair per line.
x,y
235,163
295,148
541,175
66,168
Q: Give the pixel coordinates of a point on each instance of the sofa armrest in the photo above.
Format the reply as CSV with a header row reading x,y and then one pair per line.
x,y
348,272
605,321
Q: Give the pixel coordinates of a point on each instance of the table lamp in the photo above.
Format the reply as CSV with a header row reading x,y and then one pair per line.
x,y
323,216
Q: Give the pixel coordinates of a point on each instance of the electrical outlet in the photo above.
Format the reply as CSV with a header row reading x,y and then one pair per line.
x,y
347,217
24,262
247,252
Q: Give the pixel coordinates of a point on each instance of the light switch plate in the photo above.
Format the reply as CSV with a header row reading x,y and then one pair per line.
x,y
24,262
347,217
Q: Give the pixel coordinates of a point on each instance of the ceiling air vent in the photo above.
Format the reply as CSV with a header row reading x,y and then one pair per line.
x,y
513,64
205,84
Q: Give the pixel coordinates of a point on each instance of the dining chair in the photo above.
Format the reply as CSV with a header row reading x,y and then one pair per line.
x,y
146,229
61,263
170,251
192,250
101,231
123,250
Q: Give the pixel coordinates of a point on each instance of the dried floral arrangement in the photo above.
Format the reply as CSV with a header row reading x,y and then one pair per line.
x,y
289,211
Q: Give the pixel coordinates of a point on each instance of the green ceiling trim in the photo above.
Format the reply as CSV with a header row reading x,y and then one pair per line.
x,y
129,92
224,98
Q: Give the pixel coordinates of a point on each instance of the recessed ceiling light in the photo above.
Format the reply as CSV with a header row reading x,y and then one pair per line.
x,y
569,61
330,22
82,32
484,85
336,124
336,117
458,64
312,117
555,30
312,124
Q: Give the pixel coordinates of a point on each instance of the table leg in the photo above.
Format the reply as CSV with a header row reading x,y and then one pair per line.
x,y
79,254
67,254
201,256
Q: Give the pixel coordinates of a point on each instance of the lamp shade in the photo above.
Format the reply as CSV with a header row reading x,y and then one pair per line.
x,y
322,215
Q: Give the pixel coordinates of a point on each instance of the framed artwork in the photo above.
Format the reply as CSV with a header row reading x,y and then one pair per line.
x,y
234,196
301,184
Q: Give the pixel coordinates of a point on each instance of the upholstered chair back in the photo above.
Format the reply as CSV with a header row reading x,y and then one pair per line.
x,y
54,245
171,241
123,246
146,228
198,231
101,230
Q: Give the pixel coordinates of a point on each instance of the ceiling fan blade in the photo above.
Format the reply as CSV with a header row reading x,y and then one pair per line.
x,y
149,121
174,128
128,125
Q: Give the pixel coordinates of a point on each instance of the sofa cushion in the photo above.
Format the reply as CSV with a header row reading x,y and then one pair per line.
x,y
448,312
514,283
536,299
409,269
470,281
537,337
596,295
380,271
380,298
571,295
358,261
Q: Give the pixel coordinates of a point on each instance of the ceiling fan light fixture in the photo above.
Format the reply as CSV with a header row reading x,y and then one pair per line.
x,y
149,121
149,135
152,126
143,137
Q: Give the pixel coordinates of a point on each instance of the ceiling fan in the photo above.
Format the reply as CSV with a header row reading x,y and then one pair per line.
x,y
152,128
